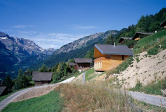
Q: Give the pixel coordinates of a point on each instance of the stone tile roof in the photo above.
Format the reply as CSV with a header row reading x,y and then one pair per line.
x,y
114,50
42,76
82,60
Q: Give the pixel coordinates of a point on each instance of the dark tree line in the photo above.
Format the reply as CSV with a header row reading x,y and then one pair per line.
x,y
22,81
60,71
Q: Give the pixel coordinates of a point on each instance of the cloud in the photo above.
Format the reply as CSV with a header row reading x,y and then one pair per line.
x,y
48,40
84,27
23,26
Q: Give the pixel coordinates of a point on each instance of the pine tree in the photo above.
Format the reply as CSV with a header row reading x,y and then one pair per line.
x,y
110,40
44,68
65,70
59,67
20,72
8,83
54,68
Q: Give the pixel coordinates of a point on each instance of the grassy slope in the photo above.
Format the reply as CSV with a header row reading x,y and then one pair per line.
x,y
153,88
92,97
149,43
88,73
50,102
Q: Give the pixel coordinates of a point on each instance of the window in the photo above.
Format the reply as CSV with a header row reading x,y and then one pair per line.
x,y
122,57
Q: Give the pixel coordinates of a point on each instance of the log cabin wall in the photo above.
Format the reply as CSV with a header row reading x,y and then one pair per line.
x,y
80,66
75,67
37,83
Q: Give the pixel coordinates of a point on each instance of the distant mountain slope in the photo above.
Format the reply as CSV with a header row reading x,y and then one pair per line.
x,y
21,45
16,53
75,49
7,58
85,41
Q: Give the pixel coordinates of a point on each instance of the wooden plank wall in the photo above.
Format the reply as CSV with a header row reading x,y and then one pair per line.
x,y
98,54
107,65
104,64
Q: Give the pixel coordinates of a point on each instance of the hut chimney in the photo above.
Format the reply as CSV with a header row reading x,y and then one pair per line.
x,y
114,44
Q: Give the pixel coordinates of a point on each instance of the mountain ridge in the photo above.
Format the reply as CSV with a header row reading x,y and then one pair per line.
x,y
76,49
14,53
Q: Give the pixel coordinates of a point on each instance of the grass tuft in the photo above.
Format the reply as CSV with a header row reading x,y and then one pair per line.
x,y
92,97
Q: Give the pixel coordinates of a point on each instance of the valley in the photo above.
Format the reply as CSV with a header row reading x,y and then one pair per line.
x,y
95,73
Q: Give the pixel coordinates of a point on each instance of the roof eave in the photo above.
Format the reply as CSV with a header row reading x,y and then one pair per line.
x,y
162,24
98,48
118,54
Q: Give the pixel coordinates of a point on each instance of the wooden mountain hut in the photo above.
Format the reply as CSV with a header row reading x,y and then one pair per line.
x,y
140,35
122,39
163,24
71,64
110,56
82,63
41,78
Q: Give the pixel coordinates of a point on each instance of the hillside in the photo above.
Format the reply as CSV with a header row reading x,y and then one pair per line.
x,y
16,53
148,65
75,49
148,70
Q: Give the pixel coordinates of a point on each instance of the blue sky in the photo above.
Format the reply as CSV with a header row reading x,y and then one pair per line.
x,y
53,23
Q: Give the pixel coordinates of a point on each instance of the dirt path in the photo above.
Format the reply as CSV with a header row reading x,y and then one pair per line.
x,y
151,99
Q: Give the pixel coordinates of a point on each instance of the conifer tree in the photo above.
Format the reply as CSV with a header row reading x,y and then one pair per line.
x,y
20,72
8,83
44,68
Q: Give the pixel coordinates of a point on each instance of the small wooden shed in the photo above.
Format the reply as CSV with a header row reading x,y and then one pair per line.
x,y
140,35
122,39
110,56
82,63
41,78
71,64
163,24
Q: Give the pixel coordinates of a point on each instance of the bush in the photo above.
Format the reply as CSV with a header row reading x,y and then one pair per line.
x,y
137,87
156,49
153,88
153,51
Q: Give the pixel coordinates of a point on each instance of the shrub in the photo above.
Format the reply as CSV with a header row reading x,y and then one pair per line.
x,y
153,51
153,88
137,87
